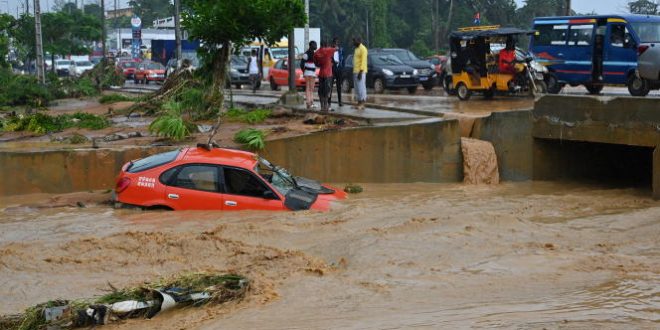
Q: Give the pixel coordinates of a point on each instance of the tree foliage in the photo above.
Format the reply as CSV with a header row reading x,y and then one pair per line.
x,y
150,10
6,24
643,7
422,25
219,24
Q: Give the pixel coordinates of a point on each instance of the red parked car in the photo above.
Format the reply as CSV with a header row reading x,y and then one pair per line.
x,y
128,68
149,71
278,75
217,179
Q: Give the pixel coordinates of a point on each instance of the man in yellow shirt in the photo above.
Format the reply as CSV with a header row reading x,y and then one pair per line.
x,y
360,72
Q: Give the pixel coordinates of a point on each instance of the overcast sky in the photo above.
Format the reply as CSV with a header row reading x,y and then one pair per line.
x,y
580,6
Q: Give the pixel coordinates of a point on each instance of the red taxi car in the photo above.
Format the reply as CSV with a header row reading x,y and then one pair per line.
x,y
149,71
217,179
128,68
278,75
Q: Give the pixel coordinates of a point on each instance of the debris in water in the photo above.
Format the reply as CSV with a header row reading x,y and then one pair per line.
x,y
479,162
193,289
353,188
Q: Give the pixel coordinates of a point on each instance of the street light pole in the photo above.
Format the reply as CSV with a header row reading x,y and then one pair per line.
x,y
41,76
306,24
177,31
104,34
568,7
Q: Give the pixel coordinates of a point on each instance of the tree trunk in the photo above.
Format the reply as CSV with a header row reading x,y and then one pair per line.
x,y
219,75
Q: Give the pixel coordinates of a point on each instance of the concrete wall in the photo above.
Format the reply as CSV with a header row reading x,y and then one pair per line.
x,y
510,134
620,120
424,152
63,171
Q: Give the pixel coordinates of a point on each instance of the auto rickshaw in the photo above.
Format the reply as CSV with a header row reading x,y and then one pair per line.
x,y
476,68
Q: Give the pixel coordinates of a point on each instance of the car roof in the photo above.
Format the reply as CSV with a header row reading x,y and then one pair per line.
x,y
224,156
628,17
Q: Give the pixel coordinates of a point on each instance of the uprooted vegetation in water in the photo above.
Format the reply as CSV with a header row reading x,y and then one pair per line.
x,y
251,138
147,300
41,123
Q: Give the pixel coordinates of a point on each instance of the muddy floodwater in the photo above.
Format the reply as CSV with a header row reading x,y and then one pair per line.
x,y
532,255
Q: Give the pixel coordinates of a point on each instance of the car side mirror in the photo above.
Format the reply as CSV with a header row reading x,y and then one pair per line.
x,y
268,194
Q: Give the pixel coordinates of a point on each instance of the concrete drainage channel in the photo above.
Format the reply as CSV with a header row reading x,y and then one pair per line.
x,y
529,144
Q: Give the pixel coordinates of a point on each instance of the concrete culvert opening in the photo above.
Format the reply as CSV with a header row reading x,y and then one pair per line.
x,y
596,163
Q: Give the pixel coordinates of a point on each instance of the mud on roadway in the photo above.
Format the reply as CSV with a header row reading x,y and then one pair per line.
x,y
533,255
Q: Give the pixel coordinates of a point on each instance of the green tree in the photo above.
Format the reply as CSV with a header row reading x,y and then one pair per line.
x,y
150,10
7,22
221,24
643,7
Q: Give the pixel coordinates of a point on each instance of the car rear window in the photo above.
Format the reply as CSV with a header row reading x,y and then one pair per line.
x,y
152,161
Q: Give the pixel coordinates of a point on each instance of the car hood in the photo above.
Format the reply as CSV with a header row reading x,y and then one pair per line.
x,y
419,64
398,68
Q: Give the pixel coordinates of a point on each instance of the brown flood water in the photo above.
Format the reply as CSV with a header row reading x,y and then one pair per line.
x,y
517,255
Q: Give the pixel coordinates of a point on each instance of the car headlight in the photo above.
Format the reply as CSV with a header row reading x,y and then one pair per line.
x,y
415,72
233,71
388,72
432,67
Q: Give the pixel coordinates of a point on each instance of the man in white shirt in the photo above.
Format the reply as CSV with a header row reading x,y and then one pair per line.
x,y
253,70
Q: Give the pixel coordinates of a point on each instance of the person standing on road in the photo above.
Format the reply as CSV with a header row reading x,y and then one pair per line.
x,y
360,72
309,72
337,70
253,70
323,59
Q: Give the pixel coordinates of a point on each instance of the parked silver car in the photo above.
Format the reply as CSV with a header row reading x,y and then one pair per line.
x,y
648,68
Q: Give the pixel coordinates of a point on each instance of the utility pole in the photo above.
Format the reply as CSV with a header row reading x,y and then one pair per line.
x,y
306,24
103,33
568,7
41,76
177,31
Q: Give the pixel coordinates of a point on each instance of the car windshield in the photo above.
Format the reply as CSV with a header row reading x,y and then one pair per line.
x,y
63,62
238,62
192,56
648,32
386,60
155,66
277,176
84,63
279,53
403,54
128,64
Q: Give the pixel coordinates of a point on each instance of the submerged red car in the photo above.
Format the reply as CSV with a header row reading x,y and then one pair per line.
x,y
217,179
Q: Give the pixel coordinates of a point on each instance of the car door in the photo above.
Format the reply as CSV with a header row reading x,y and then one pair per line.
x,y
579,59
244,190
620,54
193,187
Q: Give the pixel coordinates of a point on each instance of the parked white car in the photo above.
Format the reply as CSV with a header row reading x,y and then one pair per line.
x,y
63,67
648,66
77,68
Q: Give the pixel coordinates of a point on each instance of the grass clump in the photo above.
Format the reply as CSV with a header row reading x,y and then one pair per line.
x,y
41,123
255,116
252,139
171,124
114,98
353,188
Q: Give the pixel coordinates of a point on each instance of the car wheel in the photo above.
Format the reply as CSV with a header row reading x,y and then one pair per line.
x,y
379,86
463,92
541,87
428,86
638,86
412,90
273,85
448,85
345,86
593,89
552,84
238,86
